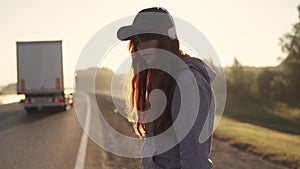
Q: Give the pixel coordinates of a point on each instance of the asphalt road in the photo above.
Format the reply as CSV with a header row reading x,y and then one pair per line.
x,y
55,140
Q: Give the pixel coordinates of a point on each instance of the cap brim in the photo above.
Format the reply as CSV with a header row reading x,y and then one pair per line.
x,y
126,32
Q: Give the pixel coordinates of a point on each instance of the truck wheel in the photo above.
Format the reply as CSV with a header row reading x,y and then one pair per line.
x,y
63,108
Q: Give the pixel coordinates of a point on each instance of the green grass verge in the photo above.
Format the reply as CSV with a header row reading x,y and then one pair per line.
x,y
271,130
276,116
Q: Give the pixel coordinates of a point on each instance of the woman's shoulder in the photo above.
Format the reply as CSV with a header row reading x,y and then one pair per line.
x,y
197,66
196,71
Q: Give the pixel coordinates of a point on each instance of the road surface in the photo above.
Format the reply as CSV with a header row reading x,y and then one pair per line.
x,y
55,140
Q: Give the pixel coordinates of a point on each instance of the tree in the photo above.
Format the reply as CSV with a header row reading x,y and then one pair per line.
x,y
290,66
240,80
264,84
235,77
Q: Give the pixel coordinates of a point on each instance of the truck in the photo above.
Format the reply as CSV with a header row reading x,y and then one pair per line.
x,y
40,75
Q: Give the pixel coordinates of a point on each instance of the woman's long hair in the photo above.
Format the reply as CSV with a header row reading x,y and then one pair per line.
x,y
143,83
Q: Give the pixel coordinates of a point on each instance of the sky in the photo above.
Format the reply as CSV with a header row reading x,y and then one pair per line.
x,y
248,30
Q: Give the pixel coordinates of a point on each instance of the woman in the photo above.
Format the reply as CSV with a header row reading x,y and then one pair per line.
x,y
151,33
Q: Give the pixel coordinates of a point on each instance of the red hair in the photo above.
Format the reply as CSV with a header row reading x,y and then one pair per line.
x,y
142,83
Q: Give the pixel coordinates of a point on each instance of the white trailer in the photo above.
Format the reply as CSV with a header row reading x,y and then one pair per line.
x,y
40,75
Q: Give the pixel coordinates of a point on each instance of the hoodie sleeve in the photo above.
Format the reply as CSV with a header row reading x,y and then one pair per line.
x,y
193,154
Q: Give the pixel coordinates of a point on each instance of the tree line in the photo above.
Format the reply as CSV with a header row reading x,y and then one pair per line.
x,y
280,83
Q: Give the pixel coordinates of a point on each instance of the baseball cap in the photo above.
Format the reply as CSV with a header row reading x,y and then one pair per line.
x,y
154,20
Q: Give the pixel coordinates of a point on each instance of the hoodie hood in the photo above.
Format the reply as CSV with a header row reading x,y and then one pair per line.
x,y
198,65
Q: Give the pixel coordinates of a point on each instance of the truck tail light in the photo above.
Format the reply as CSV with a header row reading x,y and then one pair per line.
x,y
57,100
26,101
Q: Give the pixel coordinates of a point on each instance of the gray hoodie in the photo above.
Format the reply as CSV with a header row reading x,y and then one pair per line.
x,y
188,149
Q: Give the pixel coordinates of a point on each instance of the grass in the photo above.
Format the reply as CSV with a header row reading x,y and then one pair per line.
x,y
276,116
265,129
272,145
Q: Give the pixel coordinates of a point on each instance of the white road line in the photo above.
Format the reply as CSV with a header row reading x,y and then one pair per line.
x,y
80,159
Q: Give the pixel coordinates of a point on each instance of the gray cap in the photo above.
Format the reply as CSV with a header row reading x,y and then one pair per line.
x,y
151,20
